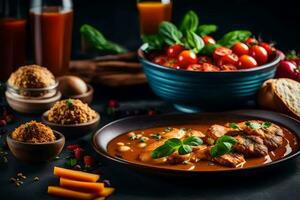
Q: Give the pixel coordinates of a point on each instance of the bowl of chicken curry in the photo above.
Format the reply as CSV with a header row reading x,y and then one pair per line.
x,y
201,143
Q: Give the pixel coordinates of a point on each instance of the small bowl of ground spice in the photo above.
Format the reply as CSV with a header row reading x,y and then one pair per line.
x,y
32,89
72,117
35,142
32,81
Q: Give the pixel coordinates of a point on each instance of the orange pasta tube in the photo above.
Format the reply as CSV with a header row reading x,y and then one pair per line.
x,y
62,192
84,186
75,175
107,191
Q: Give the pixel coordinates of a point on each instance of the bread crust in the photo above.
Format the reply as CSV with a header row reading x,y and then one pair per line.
x,y
270,98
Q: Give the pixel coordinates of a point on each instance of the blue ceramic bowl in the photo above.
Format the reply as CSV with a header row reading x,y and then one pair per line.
x,y
205,91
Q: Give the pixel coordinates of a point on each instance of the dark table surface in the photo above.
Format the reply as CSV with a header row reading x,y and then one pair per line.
x,y
279,183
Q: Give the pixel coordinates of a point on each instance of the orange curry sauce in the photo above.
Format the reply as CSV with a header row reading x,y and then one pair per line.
x,y
290,145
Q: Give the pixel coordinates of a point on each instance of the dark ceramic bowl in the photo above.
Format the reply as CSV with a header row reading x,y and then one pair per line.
x,y
73,130
36,152
197,91
102,137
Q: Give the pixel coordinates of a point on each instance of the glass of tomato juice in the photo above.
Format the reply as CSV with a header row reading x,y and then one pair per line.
x,y
51,22
12,36
152,13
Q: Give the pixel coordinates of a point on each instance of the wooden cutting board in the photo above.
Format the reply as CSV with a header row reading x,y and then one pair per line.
x,y
110,70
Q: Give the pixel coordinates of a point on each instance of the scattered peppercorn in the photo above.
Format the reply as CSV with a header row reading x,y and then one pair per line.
x,y
3,156
19,179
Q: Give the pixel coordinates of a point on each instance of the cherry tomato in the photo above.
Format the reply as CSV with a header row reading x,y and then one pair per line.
x,y
247,62
174,50
259,53
160,60
220,52
186,58
240,49
205,67
229,59
204,59
208,40
268,48
228,68
251,41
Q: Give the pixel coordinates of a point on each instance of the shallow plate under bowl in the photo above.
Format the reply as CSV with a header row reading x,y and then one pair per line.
x,y
73,130
103,136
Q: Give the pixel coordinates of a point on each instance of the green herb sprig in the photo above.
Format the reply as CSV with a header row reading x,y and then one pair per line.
x,y
174,144
190,33
189,22
255,125
97,40
222,146
69,103
206,29
234,126
231,38
170,33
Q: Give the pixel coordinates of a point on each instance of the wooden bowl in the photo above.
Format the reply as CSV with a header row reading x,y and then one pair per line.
x,y
39,152
86,97
73,130
29,105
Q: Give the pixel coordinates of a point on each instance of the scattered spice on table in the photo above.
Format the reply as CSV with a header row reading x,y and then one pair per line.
x,y
19,179
3,156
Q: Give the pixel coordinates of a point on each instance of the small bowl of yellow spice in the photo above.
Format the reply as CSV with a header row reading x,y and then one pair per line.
x,y
35,142
72,117
32,89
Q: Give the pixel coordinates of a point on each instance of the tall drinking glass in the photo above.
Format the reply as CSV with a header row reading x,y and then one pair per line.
x,y
51,22
12,36
152,13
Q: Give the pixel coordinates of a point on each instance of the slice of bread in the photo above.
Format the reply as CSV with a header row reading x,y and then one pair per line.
x,y
282,95
287,92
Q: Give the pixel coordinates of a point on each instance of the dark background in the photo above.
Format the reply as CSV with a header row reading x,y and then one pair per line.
x,y
277,21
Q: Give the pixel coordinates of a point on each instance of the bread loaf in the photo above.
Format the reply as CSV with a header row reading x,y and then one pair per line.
x,y
281,95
